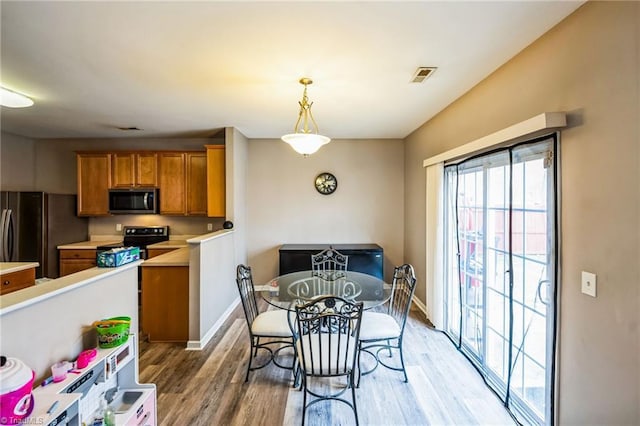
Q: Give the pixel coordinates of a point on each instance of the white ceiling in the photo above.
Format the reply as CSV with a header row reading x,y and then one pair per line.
x,y
180,69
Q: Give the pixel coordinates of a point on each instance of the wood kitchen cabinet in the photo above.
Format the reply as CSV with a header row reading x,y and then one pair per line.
x,y
183,183
191,183
75,260
196,183
172,189
216,181
134,169
165,303
18,280
94,181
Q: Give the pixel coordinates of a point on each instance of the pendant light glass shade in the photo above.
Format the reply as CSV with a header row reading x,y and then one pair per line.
x,y
305,139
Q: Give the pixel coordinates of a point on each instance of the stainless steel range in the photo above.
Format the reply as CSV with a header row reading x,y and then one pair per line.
x,y
140,236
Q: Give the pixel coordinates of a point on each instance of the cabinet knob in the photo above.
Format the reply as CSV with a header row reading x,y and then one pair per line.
x,y
6,282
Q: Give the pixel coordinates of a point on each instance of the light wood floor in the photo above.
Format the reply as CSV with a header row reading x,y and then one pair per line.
x,y
207,387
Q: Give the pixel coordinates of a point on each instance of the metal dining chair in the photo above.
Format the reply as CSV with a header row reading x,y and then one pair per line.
x,y
385,330
329,264
272,325
327,332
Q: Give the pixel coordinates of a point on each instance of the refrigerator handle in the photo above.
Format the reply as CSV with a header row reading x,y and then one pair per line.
x,y
3,243
10,238
5,222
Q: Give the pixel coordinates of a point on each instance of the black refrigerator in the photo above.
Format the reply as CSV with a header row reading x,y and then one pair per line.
x,y
33,224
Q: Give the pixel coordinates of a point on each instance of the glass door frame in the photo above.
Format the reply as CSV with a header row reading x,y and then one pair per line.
x,y
552,262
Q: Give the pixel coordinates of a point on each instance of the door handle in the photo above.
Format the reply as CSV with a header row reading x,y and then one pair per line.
x,y
145,200
545,299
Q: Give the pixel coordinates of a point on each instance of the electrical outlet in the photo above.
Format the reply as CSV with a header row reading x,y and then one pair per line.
x,y
209,226
118,227
589,283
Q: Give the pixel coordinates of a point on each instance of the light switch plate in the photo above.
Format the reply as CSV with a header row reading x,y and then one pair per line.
x,y
589,283
118,227
209,226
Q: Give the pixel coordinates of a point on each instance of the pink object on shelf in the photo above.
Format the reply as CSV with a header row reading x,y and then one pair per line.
x,y
59,370
85,358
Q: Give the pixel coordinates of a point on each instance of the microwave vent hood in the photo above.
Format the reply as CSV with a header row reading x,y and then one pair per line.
x,y
133,201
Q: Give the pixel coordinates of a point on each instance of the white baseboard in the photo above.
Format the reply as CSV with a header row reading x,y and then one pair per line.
x,y
198,345
421,307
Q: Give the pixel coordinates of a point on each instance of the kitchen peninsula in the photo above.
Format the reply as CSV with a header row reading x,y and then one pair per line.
x,y
207,266
165,296
184,290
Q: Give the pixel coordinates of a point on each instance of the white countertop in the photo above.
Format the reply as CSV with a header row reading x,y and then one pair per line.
x,y
171,244
9,267
179,257
88,245
178,241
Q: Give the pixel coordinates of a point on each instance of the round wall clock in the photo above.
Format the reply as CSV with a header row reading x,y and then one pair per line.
x,y
326,183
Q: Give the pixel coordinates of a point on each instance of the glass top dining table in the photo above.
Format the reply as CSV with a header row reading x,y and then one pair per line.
x,y
287,291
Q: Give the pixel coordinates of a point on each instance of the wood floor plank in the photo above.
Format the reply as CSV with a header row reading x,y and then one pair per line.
x,y
218,355
207,387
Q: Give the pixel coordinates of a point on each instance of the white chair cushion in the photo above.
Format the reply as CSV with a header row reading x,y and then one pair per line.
x,y
314,360
271,324
376,325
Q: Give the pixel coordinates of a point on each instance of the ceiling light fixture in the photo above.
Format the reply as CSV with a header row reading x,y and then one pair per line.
x,y
305,139
12,99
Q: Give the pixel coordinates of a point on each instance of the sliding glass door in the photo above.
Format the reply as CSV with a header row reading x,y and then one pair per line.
x,y
500,271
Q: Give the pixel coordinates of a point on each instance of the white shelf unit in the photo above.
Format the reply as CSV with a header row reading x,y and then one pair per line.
x,y
79,394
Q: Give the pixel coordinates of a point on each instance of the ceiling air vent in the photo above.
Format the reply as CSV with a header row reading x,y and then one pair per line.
x,y
422,73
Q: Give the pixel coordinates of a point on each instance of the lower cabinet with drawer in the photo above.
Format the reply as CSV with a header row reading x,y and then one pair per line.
x,y
18,280
75,260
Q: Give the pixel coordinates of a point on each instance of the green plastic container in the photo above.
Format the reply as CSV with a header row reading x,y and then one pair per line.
x,y
113,332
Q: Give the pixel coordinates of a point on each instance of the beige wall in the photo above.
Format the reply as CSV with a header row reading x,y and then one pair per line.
x,y
17,175
284,207
588,66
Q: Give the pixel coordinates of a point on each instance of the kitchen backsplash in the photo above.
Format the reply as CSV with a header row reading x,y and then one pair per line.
x,y
177,225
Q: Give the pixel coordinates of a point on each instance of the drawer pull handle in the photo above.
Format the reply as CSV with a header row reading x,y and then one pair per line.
x,y
145,418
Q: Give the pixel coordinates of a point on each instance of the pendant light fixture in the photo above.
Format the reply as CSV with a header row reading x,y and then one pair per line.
x,y
305,139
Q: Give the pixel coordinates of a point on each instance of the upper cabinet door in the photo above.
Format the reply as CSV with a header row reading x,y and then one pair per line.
x,y
196,183
94,181
147,169
172,183
130,169
122,170
216,181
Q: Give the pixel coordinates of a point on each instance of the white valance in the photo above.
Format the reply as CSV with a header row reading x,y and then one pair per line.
x,y
532,127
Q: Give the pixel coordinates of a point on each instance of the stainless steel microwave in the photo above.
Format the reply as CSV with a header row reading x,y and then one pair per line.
x,y
133,201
